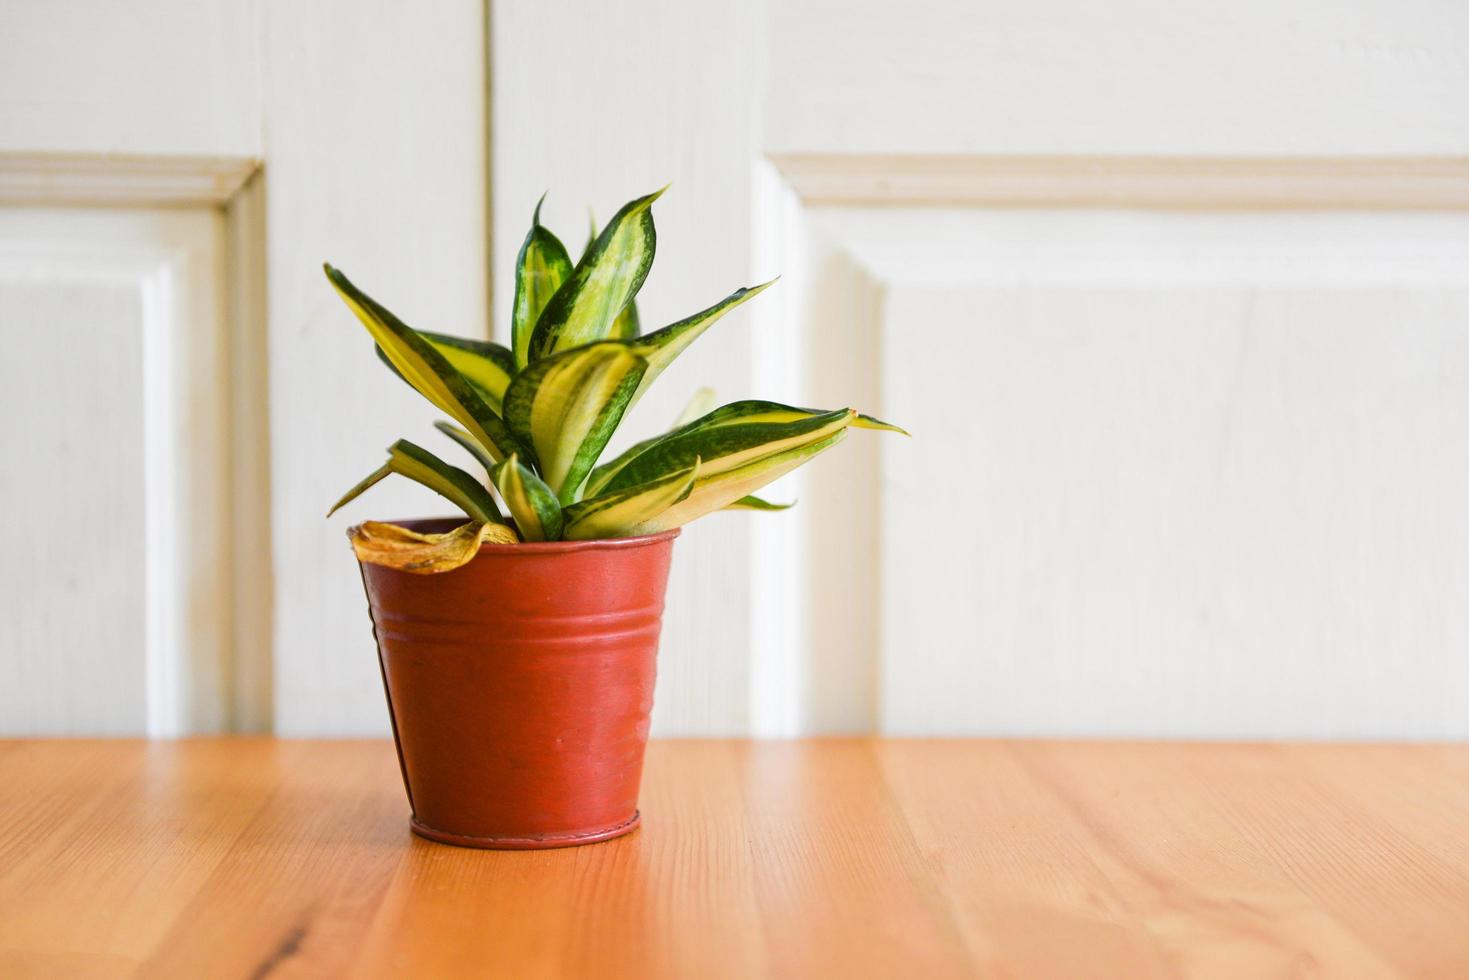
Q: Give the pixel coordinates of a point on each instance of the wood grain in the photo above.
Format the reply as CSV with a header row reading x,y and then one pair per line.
x,y
841,858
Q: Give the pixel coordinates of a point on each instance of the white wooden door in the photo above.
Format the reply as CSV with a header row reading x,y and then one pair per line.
x,y
184,396
117,582
1173,298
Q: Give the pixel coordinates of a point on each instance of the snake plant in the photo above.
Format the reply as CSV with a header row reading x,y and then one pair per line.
x,y
536,416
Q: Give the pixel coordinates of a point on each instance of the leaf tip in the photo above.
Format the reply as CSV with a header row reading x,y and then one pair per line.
x,y
535,218
869,422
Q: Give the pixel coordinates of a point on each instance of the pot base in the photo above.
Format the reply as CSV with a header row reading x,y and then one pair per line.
x,y
524,843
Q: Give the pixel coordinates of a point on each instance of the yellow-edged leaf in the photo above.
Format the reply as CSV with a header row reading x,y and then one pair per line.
x,y
725,439
717,492
540,269
467,441
660,347
700,403
585,307
487,366
614,515
422,466
426,369
531,502
627,325
566,406
752,502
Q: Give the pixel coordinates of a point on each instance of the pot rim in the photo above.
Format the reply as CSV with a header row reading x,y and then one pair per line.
x,y
544,547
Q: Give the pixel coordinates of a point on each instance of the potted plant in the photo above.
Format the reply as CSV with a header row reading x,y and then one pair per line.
x,y
517,641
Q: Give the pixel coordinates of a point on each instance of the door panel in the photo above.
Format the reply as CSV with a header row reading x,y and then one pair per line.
x,y
116,572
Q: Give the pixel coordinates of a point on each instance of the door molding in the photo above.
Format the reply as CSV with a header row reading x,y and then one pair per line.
x,y
1196,183
242,699
816,218
122,180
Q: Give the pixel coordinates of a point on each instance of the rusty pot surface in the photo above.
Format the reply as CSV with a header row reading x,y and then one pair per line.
x,y
520,685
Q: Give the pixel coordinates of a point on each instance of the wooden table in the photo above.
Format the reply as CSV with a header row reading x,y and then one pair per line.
x,y
908,859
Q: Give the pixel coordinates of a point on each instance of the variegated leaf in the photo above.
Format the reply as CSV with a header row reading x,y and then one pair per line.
x,y
627,325
566,407
540,269
606,279
728,438
613,515
699,404
467,441
660,347
422,466
752,502
716,492
532,503
427,370
486,365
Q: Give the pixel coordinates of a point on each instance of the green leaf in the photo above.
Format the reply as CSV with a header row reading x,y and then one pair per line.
x,y
660,347
362,486
708,493
868,422
467,441
699,404
727,438
422,466
419,363
614,515
752,502
627,326
532,503
540,269
719,491
483,363
609,275
566,407
487,366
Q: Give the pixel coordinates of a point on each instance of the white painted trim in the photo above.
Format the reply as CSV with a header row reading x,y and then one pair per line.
x,y
192,686
251,668
165,592
1244,183
86,179
778,548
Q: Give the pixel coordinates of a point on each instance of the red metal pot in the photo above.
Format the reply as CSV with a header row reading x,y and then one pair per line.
x,y
520,685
